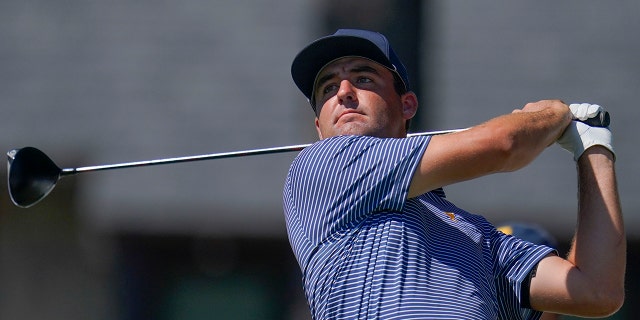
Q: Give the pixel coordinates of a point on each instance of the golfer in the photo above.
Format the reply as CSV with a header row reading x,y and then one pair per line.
x,y
371,228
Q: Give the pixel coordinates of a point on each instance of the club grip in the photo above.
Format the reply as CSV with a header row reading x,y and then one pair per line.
x,y
601,120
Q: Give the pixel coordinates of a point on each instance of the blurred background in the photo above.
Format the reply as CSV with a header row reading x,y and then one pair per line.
x,y
99,82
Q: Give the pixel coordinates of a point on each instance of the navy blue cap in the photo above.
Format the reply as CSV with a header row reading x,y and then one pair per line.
x,y
344,43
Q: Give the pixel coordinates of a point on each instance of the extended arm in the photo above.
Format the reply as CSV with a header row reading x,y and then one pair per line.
x,y
505,143
590,282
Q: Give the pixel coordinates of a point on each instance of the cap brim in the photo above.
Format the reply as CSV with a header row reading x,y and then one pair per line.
x,y
318,54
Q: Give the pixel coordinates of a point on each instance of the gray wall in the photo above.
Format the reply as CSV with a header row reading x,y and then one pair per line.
x,y
490,58
95,83
106,82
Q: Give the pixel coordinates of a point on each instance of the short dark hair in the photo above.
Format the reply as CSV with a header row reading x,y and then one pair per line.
x,y
399,86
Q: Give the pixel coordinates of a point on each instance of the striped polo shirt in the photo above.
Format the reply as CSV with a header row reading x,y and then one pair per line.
x,y
368,252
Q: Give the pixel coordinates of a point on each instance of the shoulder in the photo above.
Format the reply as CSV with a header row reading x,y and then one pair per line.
x,y
346,145
357,152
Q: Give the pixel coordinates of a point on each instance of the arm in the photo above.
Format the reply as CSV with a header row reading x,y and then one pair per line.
x,y
590,282
505,143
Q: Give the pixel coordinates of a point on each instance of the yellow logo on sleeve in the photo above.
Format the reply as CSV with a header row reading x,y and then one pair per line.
x,y
451,215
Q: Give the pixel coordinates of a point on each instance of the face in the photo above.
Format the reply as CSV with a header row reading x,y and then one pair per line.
x,y
356,96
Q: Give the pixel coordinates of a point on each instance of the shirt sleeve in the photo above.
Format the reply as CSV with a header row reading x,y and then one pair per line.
x,y
337,182
515,259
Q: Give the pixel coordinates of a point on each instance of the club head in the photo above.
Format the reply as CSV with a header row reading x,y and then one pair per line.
x,y
31,176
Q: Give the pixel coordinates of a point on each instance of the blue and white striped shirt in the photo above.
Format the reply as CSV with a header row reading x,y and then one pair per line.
x,y
368,252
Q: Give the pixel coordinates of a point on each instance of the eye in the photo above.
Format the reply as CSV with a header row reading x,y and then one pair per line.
x,y
329,88
364,80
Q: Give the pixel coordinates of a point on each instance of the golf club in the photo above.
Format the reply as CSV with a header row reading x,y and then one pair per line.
x,y
32,175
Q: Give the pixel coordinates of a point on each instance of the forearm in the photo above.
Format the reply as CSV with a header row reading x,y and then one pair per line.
x,y
599,245
505,143
526,133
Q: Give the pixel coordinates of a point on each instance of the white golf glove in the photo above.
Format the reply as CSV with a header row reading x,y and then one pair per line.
x,y
579,136
584,111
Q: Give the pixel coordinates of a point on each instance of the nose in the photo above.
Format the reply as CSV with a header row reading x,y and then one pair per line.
x,y
346,93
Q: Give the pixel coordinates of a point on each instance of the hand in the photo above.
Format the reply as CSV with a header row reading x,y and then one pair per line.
x,y
578,136
584,111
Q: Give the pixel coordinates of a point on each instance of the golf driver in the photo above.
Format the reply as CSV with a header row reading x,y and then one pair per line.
x,y
32,175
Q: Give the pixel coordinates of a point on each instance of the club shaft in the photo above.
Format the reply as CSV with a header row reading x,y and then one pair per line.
x,y
222,155
601,120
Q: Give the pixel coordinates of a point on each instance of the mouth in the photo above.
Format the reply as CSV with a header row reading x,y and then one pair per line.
x,y
349,114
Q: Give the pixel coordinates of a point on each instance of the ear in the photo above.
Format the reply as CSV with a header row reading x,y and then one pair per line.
x,y
318,128
409,105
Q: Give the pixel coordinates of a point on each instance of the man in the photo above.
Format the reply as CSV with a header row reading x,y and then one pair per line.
x,y
370,226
